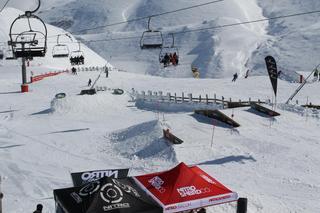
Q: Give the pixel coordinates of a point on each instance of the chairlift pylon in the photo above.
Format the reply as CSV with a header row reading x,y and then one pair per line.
x,y
151,39
30,42
61,50
77,56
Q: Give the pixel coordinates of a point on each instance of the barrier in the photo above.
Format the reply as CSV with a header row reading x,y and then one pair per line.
x,y
46,75
172,138
216,114
264,110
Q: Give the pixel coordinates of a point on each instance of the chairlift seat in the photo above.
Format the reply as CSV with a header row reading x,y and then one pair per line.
x,y
19,53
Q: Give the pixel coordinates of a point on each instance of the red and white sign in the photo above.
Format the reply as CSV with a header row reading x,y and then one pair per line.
x,y
184,188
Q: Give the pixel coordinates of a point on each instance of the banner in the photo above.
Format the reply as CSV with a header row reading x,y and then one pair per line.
x,y
81,178
273,72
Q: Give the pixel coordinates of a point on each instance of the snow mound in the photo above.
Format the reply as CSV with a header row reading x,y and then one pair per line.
x,y
143,141
100,103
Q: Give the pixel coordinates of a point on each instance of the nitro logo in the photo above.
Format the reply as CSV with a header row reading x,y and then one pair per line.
x,y
116,206
157,183
87,176
89,189
111,193
192,190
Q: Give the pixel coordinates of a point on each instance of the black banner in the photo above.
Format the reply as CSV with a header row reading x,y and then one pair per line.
x,y
273,72
81,178
106,195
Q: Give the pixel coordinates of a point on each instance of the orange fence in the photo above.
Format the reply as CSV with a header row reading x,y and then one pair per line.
x,y
46,75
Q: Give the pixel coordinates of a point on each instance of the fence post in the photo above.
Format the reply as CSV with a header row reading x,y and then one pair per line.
x,y
161,95
182,97
207,99
190,97
249,100
169,96
215,98
222,98
242,205
175,97
199,98
143,93
1,196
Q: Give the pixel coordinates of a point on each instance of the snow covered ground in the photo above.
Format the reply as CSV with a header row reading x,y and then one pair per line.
x,y
272,162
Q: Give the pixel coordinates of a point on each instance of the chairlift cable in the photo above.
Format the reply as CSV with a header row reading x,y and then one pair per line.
x,y
216,27
4,5
147,17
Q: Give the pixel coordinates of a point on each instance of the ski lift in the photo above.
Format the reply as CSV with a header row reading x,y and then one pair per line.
x,y
9,54
169,49
77,57
61,50
30,41
151,39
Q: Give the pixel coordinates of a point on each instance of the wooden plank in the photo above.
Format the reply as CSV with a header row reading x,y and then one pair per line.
x,y
216,114
172,138
264,110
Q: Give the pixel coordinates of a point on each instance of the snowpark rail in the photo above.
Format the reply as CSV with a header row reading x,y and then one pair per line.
x,y
158,96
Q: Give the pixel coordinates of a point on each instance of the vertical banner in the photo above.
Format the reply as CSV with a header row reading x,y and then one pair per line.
x,y
273,72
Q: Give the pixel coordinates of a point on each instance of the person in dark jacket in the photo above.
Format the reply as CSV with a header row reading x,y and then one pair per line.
x,y
39,208
89,82
235,76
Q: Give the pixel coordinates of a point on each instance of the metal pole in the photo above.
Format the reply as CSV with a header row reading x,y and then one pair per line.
x,y
242,205
1,196
24,69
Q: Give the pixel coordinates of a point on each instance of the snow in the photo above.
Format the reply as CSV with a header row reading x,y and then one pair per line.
x,y
274,162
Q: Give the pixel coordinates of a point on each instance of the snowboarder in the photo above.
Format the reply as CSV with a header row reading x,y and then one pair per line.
x,y
166,60
235,76
39,208
247,74
106,70
89,82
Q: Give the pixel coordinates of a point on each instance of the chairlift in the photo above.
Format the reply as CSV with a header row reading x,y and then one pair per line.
x,y
61,50
10,55
29,42
151,39
169,49
77,57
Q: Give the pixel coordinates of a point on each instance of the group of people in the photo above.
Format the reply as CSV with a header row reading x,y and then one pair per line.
x,y
170,59
77,60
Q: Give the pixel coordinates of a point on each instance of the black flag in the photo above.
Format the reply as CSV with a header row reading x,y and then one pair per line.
x,y
273,72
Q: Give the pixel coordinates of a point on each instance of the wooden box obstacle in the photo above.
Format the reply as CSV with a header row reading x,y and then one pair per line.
x,y
216,114
172,138
264,110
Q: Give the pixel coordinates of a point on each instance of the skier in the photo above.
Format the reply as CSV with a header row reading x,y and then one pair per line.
x,y
89,82
106,70
235,76
39,208
74,71
247,74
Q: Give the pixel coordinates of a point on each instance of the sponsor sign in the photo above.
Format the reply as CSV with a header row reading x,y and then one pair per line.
x,y
157,183
81,178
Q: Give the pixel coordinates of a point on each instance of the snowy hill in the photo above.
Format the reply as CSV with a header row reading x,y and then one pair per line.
x,y
218,53
92,59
